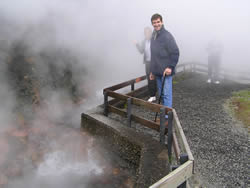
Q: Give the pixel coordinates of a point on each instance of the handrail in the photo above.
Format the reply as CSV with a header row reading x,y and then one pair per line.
x,y
182,151
224,73
176,135
124,84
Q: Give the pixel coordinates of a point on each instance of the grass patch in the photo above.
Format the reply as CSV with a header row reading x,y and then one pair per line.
x,y
240,104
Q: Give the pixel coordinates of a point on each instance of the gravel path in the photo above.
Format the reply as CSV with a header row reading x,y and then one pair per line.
x,y
218,142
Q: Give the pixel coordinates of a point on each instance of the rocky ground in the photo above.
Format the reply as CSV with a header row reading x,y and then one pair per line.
x,y
217,140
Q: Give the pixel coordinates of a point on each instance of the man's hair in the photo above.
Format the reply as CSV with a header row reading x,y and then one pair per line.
x,y
155,17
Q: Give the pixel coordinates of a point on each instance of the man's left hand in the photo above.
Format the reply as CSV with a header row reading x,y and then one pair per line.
x,y
167,72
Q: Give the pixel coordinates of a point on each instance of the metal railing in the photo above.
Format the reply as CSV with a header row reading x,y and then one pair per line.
x,y
224,73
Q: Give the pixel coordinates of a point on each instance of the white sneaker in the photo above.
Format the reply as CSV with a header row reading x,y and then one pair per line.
x,y
151,99
209,81
217,82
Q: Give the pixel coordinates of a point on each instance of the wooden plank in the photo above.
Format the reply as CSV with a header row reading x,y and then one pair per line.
x,y
146,123
176,177
200,70
134,93
182,135
152,106
179,139
201,64
117,95
139,102
117,111
176,146
124,84
184,64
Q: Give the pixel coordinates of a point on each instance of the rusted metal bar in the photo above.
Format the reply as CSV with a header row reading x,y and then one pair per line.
x,y
162,125
129,109
105,103
170,134
127,83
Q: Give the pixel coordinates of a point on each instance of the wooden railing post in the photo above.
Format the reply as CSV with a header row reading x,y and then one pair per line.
x,y
170,134
162,125
183,159
105,103
132,86
129,109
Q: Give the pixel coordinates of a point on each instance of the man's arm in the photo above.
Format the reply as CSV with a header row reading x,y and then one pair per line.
x,y
173,51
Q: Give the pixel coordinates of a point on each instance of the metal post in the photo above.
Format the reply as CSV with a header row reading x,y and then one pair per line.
x,y
162,125
129,108
183,159
132,86
170,134
106,103
174,167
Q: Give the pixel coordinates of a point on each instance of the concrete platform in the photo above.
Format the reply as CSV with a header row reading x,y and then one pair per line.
x,y
149,157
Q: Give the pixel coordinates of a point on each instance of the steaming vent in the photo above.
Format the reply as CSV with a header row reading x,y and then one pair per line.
x,y
60,163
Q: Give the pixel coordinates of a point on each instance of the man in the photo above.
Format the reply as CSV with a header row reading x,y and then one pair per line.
x,y
214,49
164,57
144,48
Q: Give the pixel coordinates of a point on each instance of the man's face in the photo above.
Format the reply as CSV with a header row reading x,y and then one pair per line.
x,y
157,24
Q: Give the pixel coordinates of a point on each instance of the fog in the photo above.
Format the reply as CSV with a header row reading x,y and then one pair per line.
x,y
99,36
104,31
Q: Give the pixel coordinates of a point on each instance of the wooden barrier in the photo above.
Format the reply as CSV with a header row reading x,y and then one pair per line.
x,y
176,137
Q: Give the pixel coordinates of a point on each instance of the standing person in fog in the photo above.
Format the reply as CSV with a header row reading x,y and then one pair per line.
x,y
214,50
144,48
164,57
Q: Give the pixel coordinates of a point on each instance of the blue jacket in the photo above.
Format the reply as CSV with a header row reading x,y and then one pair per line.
x,y
164,52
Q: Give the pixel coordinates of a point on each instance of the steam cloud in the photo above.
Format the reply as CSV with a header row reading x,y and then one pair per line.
x,y
98,35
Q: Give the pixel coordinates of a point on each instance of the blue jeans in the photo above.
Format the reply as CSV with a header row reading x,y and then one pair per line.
x,y
167,90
